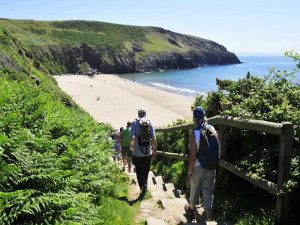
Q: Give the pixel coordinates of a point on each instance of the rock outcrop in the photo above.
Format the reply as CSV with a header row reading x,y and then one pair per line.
x,y
105,60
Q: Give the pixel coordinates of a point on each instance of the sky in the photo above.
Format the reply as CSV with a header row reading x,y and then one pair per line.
x,y
242,26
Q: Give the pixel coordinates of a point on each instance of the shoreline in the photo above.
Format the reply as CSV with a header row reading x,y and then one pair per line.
x,y
115,100
184,91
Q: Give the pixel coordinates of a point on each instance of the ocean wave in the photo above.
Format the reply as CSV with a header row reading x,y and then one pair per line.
x,y
178,89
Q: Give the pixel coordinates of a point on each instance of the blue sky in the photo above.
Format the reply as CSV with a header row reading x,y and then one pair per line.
x,y
242,26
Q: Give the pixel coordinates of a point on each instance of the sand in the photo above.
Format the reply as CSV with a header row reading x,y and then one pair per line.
x,y
111,99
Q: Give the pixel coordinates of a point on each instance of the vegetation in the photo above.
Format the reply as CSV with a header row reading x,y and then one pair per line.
x,y
275,97
54,158
172,170
99,33
159,44
56,47
72,33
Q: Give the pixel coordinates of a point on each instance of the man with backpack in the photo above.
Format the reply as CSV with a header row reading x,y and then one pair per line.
x,y
125,149
143,142
203,162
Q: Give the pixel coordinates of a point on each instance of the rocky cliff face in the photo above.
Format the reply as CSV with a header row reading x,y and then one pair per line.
x,y
87,47
198,53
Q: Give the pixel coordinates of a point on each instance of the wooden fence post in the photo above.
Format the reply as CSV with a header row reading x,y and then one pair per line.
x,y
223,141
186,142
186,145
165,144
285,150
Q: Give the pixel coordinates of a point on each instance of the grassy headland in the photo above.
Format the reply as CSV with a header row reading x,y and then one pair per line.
x,y
58,47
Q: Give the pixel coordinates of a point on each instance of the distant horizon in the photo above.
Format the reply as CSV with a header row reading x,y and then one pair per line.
x,y
264,27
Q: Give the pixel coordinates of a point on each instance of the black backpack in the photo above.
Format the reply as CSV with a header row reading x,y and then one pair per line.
x,y
144,136
209,150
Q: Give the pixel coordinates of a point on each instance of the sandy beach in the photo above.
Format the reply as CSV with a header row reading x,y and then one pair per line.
x,y
111,99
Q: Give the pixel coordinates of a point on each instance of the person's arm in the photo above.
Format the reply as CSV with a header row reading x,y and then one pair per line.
x,y
193,151
131,136
131,144
153,140
154,144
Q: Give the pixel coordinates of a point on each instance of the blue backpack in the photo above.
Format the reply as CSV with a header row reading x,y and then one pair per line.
x,y
209,151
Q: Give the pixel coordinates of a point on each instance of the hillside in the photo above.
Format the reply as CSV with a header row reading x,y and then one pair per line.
x,y
59,47
54,157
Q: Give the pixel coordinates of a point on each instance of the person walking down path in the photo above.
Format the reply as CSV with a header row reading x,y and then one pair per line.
x,y
204,158
125,148
144,144
116,136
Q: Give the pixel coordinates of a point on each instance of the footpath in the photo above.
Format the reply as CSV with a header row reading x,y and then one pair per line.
x,y
166,204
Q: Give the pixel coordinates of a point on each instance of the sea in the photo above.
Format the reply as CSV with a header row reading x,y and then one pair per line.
x,y
200,81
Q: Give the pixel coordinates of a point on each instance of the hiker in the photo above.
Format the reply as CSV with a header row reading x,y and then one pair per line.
x,y
143,141
202,169
117,146
125,149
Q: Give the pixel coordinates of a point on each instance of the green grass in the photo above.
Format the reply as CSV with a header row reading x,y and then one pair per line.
x,y
116,212
157,43
73,33
54,46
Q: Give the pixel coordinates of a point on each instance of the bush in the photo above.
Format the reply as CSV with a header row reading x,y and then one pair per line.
x,y
276,98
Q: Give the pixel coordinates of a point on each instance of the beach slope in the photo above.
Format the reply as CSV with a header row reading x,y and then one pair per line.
x,y
111,99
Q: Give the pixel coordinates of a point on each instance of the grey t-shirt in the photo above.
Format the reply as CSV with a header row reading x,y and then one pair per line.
x,y
135,133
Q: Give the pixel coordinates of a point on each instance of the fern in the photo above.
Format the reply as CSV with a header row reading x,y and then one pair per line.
x,y
53,168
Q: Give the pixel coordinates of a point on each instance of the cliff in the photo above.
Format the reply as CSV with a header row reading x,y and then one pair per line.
x,y
87,47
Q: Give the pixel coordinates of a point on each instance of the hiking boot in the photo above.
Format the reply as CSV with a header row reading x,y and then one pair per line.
x,y
143,192
144,189
190,214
